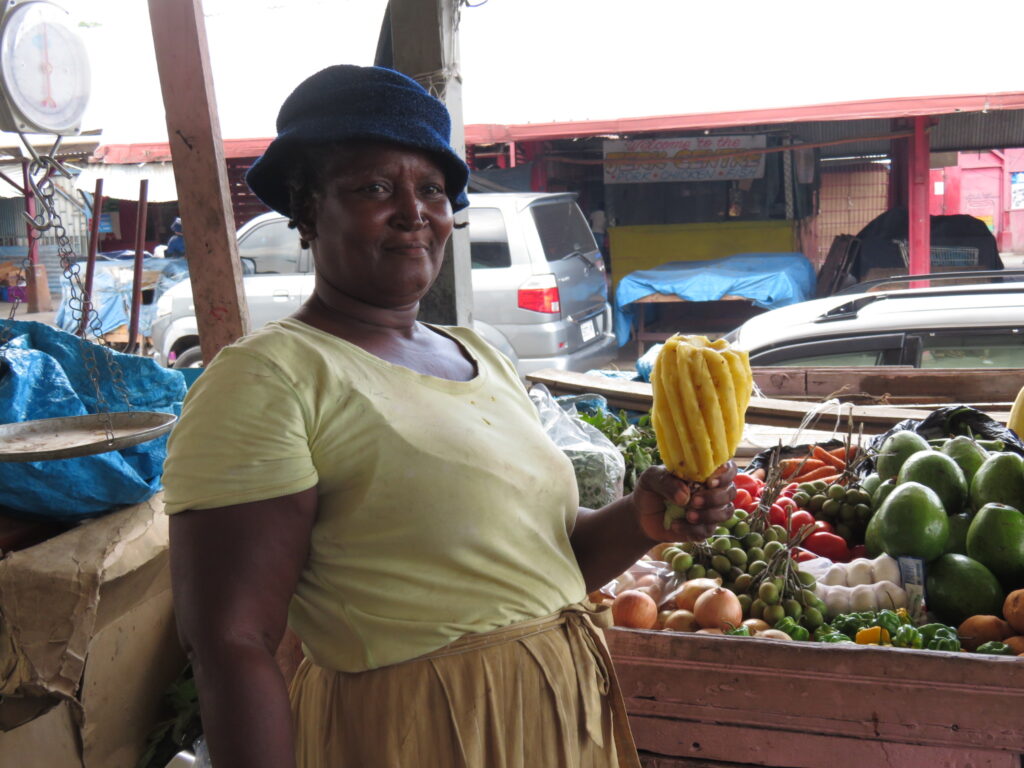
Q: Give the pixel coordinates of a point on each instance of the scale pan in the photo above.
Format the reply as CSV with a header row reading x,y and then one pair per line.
x,y
70,436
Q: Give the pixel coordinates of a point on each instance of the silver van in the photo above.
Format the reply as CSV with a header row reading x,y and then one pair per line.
x,y
540,292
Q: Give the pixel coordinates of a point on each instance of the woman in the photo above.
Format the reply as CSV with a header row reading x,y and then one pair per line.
x,y
384,487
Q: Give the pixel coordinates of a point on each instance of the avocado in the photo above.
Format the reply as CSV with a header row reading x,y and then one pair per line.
x,y
896,449
913,522
999,480
940,473
957,586
967,453
958,525
996,540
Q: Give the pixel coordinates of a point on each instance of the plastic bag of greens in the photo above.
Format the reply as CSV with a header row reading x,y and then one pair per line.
x,y
598,465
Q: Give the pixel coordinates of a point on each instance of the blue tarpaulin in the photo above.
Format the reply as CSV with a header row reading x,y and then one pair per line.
x,y
112,293
46,376
769,280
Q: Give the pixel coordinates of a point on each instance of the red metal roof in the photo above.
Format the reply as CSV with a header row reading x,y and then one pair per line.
x,y
494,134
849,110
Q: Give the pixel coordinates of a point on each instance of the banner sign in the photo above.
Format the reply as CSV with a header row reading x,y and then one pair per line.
x,y
696,158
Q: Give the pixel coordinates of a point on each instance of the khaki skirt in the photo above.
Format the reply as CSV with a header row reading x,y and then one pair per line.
x,y
538,694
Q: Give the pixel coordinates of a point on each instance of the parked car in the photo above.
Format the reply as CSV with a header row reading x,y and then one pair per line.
x,y
940,326
540,292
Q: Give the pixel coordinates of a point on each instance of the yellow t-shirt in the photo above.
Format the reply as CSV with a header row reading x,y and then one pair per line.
x,y
444,509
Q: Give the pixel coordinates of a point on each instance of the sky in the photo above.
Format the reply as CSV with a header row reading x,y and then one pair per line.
x,y
553,60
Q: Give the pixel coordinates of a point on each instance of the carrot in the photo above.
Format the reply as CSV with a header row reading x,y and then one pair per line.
x,y
791,467
815,474
841,453
820,453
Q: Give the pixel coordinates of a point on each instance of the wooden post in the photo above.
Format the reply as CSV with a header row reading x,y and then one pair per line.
x,y
37,288
425,46
919,220
200,173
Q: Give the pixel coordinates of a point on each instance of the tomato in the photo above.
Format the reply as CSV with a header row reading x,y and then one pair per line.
x,y
743,498
828,545
823,525
777,515
801,555
789,490
799,519
858,550
749,484
787,504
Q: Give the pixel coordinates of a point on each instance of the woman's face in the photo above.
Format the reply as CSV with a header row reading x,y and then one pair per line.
x,y
381,221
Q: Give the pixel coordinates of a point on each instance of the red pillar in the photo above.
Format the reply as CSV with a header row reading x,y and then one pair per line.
x,y
919,235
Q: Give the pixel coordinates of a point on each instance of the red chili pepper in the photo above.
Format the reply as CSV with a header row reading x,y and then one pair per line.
x,y
823,525
799,519
743,498
828,545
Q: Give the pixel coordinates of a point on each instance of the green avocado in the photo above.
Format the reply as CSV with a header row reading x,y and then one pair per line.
x,y
912,522
896,449
884,489
957,586
999,480
958,525
996,540
940,473
966,452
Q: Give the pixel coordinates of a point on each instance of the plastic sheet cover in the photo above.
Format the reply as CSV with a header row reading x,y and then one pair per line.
x,y
45,376
769,280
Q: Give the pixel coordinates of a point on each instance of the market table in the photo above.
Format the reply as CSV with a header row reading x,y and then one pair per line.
x,y
693,699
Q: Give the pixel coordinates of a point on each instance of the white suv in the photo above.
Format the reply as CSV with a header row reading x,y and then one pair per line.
x,y
540,292
940,326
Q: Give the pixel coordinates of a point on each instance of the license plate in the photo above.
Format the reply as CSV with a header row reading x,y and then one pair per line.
x,y
587,330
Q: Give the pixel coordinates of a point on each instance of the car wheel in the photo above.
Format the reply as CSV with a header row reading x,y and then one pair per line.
x,y
190,358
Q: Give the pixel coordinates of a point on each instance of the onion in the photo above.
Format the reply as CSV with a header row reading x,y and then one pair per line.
x,y
773,634
714,631
681,621
756,625
693,589
635,609
718,608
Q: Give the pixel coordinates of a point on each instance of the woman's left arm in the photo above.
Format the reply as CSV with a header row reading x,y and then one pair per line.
x,y
607,541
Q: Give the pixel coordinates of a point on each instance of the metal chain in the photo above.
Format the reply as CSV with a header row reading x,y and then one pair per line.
x,y
41,171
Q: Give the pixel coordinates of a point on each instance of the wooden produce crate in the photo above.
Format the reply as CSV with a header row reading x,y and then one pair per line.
x,y
696,700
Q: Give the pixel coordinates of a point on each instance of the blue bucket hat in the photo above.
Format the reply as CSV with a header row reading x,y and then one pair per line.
x,y
350,102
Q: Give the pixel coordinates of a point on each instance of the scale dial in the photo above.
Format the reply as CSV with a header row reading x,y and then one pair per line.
x,y
44,70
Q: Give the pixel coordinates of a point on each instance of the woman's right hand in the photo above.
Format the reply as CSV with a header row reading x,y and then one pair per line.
x,y
705,505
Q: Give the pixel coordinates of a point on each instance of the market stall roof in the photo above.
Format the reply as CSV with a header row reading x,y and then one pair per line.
x,y
963,122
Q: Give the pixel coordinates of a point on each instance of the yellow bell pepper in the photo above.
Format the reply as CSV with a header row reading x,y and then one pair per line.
x,y
872,636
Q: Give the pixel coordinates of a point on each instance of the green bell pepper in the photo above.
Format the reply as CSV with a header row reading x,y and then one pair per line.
x,y
742,631
907,637
889,621
943,639
791,628
851,623
928,631
834,637
996,648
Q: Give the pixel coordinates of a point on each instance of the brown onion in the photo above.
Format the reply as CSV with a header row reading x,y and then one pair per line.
x,y
692,589
718,608
681,621
635,609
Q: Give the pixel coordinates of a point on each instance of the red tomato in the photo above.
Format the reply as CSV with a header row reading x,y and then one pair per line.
x,y
743,498
777,515
800,555
858,550
823,525
799,519
750,484
787,504
828,545
789,490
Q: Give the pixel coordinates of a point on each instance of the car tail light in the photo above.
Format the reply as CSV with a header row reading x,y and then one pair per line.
x,y
540,294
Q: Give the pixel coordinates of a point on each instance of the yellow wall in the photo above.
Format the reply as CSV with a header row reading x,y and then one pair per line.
x,y
646,247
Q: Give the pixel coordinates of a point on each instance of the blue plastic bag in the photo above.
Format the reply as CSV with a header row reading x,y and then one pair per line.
x,y
46,376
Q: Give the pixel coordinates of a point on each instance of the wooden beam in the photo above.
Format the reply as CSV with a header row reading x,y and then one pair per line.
x,y
426,48
204,202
